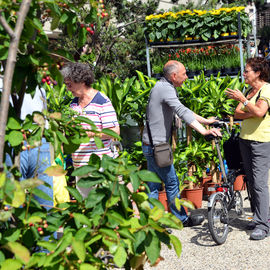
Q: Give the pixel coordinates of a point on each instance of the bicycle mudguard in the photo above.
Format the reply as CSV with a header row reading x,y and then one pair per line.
x,y
211,198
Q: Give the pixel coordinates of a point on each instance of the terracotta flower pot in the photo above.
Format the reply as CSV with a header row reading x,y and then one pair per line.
x,y
239,183
206,186
162,196
204,183
195,195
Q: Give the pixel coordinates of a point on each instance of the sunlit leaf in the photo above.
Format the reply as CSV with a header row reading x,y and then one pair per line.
x,y
19,251
120,256
79,248
176,244
55,170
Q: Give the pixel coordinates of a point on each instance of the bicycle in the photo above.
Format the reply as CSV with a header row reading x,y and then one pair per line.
x,y
225,198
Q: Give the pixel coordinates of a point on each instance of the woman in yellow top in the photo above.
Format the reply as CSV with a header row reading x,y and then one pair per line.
x,y
253,108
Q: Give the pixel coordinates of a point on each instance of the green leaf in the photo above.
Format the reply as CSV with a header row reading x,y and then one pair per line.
x,y
41,194
86,266
31,183
152,247
64,18
82,219
148,176
61,137
87,121
98,142
34,219
2,257
108,232
48,245
84,170
124,195
19,251
120,256
126,233
11,264
79,248
176,244
12,236
141,77
82,37
111,133
75,193
19,195
4,215
2,179
135,181
15,138
13,123
112,201
156,213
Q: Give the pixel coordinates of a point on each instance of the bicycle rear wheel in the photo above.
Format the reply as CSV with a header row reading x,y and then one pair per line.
x,y
218,218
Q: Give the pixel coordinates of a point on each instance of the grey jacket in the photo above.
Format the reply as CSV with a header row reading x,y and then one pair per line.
x,y
162,104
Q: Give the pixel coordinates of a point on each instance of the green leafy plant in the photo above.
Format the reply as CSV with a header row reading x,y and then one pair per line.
x,y
103,223
173,26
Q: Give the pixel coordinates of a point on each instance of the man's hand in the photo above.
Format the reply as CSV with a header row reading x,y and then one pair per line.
x,y
213,131
211,120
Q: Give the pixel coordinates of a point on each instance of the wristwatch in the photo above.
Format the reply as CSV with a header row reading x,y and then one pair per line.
x,y
246,103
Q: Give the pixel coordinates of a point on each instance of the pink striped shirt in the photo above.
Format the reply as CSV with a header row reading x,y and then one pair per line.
x,y
102,113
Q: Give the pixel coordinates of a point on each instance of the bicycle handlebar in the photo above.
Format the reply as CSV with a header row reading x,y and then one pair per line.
x,y
219,124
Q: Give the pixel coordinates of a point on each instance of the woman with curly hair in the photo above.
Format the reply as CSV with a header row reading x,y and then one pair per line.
x,y
253,108
96,106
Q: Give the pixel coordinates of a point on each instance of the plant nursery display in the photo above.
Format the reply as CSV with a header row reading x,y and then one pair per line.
x,y
196,25
224,58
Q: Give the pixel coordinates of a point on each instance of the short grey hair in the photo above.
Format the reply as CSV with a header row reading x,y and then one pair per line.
x,y
170,68
78,73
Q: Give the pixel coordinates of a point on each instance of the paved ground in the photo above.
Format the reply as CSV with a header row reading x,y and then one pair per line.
x,y
199,251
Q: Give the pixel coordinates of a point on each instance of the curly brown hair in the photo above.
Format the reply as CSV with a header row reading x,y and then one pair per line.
x,y
78,73
260,64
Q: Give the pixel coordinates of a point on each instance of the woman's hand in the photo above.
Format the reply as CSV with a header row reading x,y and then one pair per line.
x,y
236,95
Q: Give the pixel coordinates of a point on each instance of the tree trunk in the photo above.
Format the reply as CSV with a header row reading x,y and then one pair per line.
x,y
9,69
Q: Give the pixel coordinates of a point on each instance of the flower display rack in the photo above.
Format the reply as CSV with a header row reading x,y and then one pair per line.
x,y
235,37
192,25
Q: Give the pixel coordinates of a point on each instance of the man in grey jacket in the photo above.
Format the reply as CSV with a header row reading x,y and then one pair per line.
x,y
163,104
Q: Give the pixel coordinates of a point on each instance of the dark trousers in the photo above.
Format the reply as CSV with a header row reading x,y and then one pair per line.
x,y
256,158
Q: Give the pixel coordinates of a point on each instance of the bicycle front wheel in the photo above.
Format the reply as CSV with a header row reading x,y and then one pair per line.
x,y
218,218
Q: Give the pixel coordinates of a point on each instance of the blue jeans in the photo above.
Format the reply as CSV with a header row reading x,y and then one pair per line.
x,y
170,180
34,162
38,157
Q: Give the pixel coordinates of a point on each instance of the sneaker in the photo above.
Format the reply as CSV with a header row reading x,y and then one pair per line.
x,y
251,225
258,234
194,220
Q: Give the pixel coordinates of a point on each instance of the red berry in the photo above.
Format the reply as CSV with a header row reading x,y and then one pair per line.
x,y
47,78
39,229
88,29
92,25
102,14
48,82
6,208
45,225
82,25
31,224
43,80
91,32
